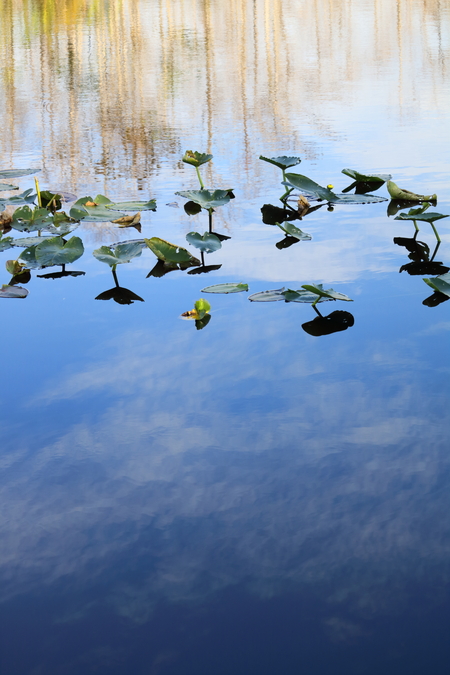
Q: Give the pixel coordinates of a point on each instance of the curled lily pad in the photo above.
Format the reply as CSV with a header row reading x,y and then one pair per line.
x,y
319,290
308,186
268,296
13,292
208,242
26,219
225,288
96,210
205,198
54,251
294,231
400,193
440,284
26,197
14,267
121,253
282,162
201,308
133,206
6,186
168,252
196,158
17,173
367,177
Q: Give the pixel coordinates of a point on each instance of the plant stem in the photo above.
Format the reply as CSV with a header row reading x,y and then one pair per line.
x,y
436,233
435,251
416,226
38,192
116,281
202,187
202,255
210,212
286,194
316,310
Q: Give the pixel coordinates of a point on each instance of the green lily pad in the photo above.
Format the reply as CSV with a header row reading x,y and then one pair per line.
x,y
282,162
304,296
418,214
14,267
440,284
29,257
13,292
207,242
268,296
377,178
294,231
6,243
308,186
122,253
319,290
168,252
205,198
133,206
96,209
342,198
400,193
225,288
25,197
202,307
6,186
25,242
62,224
55,251
195,158
17,173
26,219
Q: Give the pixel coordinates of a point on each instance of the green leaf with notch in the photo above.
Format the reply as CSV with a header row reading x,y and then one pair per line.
x,y
55,251
26,219
418,214
319,290
119,254
26,197
208,242
195,158
308,186
168,252
440,283
282,162
96,209
205,198
293,231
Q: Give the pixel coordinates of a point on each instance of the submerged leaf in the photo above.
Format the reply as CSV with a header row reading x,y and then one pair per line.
x,y
400,193
308,186
196,158
281,162
13,292
208,242
168,252
205,198
225,288
121,253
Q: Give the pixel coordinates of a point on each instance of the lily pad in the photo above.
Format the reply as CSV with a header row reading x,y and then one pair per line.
x,y
6,186
319,290
303,296
29,257
96,209
6,243
400,193
17,173
25,242
122,253
440,284
13,292
341,198
205,198
55,252
418,214
196,158
26,197
295,232
168,252
268,296
226,288
26,219
133,206
308,186
364,182
208,242
282,162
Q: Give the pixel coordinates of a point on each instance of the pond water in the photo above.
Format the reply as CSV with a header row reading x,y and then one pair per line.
x,y
249,498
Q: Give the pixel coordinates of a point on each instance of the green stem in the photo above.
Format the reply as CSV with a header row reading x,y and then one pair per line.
x,y
416,226
202,187
436,233
315,309
210,212
116,281
286,194
202,256
38,192
435,251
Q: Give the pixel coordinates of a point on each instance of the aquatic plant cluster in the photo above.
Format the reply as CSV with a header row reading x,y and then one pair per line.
x,y
41,213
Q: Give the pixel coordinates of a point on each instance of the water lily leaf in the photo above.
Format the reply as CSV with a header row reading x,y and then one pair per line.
x,y
17,173
26,219
319,290
202,307
294,231
6,243
14,267
25,197
6,186
341,198
308,186
29,257
133,206
268,296
282,162
205,198
52,199
417,214
13,292
303,296
196,158
440,284
168,252
121,253
400,193
25,242
96,209
55,251
207,242
226,288
377,178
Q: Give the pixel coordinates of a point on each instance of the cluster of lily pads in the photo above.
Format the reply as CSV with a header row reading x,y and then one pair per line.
x,y
50,226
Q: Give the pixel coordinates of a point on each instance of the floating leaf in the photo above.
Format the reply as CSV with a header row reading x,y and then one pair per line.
x,y
226,288
196,158
96,209
364,182
440,284
13,292
400,193
268,296
25,242
26,219
17,173
133,206
62,224
295,232
6,186
6,243
168,252
418,214
29,257
342,198
14,267
25,197
202,307
205,198
54,251
308,186
319,290
207,242
303,296
128,221
282,162
121,253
